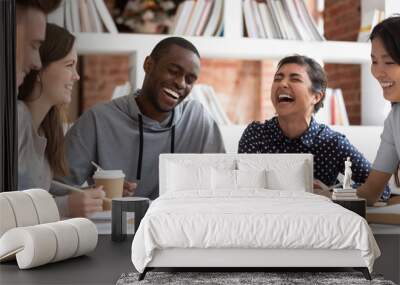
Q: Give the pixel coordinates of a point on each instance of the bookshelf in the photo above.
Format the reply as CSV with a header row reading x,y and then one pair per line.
x,y
233,45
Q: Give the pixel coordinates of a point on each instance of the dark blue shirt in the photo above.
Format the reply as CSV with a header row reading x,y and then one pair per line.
x,y
329,148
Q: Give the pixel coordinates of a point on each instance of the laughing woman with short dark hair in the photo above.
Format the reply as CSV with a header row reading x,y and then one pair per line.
x,y
297,93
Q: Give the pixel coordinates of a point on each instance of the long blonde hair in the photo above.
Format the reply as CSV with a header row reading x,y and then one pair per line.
x,y
57,45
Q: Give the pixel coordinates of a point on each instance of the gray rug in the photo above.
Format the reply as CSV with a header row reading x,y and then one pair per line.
x,y
270,278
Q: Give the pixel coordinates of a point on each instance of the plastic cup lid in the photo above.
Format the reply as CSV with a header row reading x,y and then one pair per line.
x,y
108,174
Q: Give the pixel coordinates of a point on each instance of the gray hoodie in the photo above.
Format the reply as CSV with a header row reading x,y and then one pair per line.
x,y
110,135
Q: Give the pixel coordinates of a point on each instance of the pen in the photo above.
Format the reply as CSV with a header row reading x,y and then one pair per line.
x,y
75,189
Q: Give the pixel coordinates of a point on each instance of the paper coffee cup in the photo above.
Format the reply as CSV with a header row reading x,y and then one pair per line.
x,y
112,182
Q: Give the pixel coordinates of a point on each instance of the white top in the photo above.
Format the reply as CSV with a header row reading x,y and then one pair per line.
x,y
388,154
33,167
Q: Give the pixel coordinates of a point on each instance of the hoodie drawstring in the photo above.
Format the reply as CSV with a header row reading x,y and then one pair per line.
x,y
140,157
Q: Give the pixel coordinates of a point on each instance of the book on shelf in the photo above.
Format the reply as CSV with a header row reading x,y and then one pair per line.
x,y
83,16
281,19
183,16
266,18
121,90
288,20
274,19
198,18
177,16
68,16
344,119
205,16
335,116
301,31
195,18
205,94
94,18
280,22
220,29
258,21
285,23
368,21
308,21
76,20
249,19
334,110
216,20
190,18
105,16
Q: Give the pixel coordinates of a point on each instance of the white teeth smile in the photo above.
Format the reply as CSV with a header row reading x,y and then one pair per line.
x,y
386,84
285,98
171,93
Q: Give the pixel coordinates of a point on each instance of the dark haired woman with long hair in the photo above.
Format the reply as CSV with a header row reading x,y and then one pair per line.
x,y
42,98
385,67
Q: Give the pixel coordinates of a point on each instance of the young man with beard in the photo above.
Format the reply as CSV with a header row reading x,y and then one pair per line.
x,y
130,132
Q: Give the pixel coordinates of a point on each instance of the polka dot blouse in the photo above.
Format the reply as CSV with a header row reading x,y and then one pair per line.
x,y
329,148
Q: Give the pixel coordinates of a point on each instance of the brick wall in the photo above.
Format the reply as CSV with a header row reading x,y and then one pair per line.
x,y
238,87
341,23
242,86
101,73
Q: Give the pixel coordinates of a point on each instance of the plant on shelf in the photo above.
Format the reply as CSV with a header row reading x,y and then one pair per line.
x,y
145,16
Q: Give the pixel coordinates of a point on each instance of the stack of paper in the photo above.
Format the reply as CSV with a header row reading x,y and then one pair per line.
x,y
344,194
